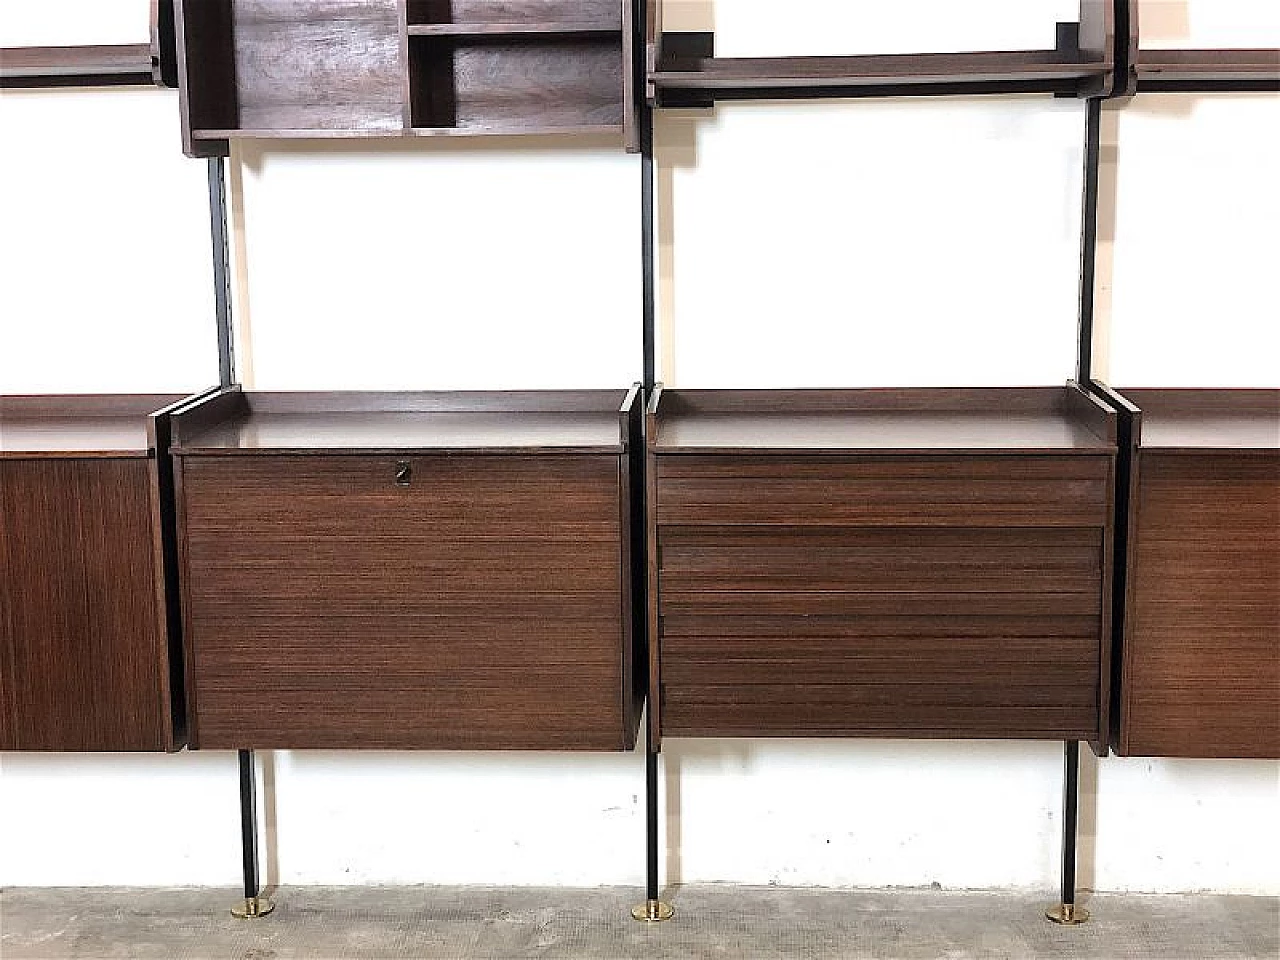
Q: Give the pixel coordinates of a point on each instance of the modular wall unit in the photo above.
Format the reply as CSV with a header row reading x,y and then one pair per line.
x,y
90,658
1198,623
683,70
403,68
410,571
880,563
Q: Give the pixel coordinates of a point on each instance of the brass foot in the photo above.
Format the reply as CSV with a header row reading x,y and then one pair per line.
x,y
1067,914
253,908
652,911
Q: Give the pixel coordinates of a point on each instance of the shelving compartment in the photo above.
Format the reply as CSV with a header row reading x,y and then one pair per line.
x,y
291,68
518,67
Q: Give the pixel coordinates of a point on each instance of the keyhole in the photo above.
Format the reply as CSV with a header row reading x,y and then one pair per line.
x,y
404,473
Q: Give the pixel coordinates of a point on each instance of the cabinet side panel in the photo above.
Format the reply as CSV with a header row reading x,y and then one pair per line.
x,y
1203,646
86,651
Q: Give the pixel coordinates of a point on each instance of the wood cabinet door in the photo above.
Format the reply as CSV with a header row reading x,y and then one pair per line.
x,y
1202,646
84,654
430,602
930,597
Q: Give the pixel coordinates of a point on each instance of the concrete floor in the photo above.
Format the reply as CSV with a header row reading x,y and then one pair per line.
x,y
432,923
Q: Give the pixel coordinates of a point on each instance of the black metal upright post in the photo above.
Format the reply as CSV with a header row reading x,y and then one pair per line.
x,y
653,910
1068,912
1089,239
255,905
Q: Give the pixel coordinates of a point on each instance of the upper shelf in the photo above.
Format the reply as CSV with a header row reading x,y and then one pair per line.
x,y
1204,421
78,426
684,71
121,65
238,423
992,421
1208,70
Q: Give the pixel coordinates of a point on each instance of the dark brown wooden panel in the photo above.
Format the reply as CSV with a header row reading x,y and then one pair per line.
x,y
870,560
904,624
850,710
959,491
479,607
976,662
1202,652
84,648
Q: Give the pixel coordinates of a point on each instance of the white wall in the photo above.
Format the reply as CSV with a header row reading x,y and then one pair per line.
x,y
876,238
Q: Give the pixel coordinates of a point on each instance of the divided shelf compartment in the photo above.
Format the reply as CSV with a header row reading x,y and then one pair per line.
x,y
396,68
880,563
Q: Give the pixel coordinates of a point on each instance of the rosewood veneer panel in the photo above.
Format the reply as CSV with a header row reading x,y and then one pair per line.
x,y
1200,661
361,576
89,658
877,563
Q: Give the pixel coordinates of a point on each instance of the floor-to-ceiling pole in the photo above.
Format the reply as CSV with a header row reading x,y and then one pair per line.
x,y
254,904
1068,912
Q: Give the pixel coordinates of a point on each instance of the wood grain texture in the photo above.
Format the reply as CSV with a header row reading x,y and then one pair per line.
x,y
85,662
1201,674
480,607
959,594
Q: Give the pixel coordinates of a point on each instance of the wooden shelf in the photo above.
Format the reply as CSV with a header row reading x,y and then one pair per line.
x,y
83,426
89,66
999,421
1208,70
476,423
1231,421
531,30
898,75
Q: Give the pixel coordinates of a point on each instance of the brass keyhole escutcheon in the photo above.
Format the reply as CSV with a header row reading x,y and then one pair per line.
x,y
404,473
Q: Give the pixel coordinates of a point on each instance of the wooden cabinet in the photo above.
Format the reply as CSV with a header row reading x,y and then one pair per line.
x,y
1199,657
920,563
403,68
412,571
89,654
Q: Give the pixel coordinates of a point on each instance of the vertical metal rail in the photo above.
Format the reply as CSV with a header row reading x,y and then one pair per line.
x,y
221,270
1067,912
653,910
254,904
1089,239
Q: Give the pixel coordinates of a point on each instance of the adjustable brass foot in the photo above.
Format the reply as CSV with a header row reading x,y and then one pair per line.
x,y
1067,914
652,911
253,908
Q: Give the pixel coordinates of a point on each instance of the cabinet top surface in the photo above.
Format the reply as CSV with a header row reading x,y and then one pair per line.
x,y
1017,422
1229,420
586,422
80,426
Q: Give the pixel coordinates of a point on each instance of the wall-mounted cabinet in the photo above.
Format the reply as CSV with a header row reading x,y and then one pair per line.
x,y
1199,664
898,563
89,652
403,68
409,571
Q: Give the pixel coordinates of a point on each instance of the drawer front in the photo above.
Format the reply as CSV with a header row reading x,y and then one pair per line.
x,y
1202,656
479,606
82,651
926,597
1069,491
